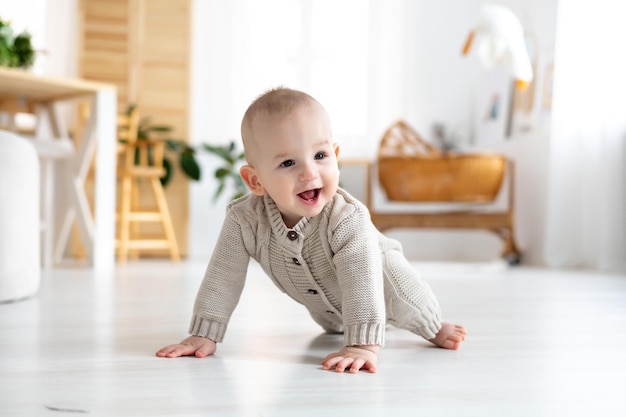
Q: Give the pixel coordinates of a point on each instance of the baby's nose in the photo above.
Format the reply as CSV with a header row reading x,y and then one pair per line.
x,y
309,172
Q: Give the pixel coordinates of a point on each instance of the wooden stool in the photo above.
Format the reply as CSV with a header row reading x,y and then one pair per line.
x,y
141,159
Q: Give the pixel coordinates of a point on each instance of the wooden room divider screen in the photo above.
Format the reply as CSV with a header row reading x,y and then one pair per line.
x,y
143,47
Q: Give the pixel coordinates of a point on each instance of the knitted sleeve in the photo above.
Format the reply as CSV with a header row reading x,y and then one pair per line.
x,y
223,283
359,273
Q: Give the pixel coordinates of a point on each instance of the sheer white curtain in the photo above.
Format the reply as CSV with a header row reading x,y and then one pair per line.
x,y
587,190
346,53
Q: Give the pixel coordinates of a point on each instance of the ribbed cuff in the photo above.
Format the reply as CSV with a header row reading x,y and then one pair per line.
x,y
429,326
209,329
364,334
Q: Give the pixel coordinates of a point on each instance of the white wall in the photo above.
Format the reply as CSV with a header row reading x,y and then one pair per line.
x,y
445,87
416,72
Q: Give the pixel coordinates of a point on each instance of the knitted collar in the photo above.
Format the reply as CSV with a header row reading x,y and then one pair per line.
x,y
304,226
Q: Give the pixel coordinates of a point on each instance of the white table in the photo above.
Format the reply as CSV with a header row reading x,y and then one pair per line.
x,y
20,89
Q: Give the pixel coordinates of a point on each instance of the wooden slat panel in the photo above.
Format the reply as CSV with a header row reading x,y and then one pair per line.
x,y
164,87
146,55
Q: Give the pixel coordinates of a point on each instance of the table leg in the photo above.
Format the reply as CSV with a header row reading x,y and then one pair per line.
x,y
78,207
105,111
98,234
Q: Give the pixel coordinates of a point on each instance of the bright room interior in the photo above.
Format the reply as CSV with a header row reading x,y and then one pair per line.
x,y
544,334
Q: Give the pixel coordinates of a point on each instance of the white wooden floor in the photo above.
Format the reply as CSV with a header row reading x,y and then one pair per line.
x,y
540,343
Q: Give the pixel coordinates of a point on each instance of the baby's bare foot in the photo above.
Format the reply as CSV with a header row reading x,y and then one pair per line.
x,y
449,336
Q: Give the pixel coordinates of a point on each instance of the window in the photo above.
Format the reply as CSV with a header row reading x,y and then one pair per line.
x,y
319,46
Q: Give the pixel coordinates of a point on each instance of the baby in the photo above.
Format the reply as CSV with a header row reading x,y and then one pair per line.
x,y
314,240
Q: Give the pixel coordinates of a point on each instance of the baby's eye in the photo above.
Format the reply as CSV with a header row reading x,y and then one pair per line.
x,y
287,163
320,155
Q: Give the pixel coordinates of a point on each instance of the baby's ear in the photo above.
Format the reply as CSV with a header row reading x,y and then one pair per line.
x,y
252,181
336,147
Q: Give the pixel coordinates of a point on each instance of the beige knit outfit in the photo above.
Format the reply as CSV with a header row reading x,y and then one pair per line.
x,y
350,277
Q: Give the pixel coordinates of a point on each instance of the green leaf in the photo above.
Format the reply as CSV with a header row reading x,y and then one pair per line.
x,y
172,145
165,179
219,191
210,147
15,51
222,173
220,151
189,165
24,50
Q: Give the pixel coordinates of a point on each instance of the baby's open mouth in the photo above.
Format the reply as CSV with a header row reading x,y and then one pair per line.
x,y
310,195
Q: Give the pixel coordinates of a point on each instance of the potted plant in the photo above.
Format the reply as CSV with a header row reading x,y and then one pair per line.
x,y
15,51
227,175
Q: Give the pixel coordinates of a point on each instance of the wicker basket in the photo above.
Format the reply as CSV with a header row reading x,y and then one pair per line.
x,y
411,169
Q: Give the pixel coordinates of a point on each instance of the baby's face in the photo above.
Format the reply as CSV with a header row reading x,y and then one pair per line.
x,y
295,161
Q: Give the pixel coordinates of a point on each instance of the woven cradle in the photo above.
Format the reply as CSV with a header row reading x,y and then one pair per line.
x,y
412,169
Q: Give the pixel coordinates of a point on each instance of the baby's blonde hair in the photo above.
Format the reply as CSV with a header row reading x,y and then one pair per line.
x,y
277,101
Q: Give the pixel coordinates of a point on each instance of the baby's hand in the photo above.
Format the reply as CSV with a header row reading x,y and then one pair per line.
x,y
201,347
353,357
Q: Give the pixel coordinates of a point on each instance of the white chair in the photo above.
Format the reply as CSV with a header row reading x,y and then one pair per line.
x,y
20,270
52,152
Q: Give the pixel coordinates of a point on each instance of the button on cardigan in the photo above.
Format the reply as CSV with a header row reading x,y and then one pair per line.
x,y
349,276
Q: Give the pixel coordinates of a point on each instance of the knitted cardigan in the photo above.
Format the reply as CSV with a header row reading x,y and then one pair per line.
x,y
350,277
